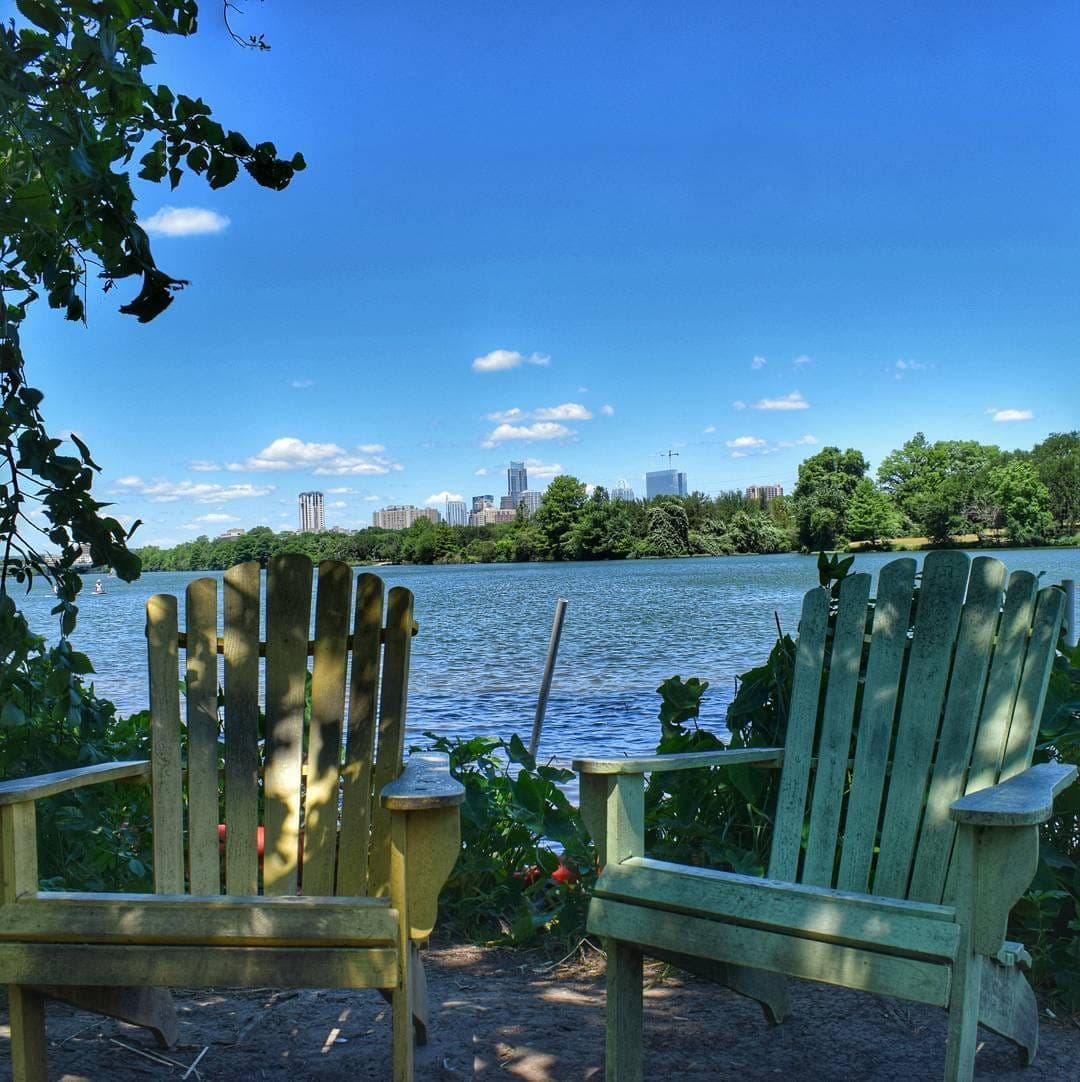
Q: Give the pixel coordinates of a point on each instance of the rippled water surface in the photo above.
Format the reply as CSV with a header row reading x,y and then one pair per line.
x,y
478,659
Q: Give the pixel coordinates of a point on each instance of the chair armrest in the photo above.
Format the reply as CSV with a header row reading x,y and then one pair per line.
x,y
42,785
690,760
425,783
1026,799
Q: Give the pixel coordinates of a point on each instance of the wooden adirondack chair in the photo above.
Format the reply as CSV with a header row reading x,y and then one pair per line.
x,y
370,867
906,824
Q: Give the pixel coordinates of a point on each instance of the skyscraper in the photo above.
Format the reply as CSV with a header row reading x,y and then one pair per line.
x,y
480,502
623,491
517,480
312,516
665,483
531,499
457,514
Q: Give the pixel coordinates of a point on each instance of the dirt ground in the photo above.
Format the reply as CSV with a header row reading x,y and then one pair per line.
x,y
512,1014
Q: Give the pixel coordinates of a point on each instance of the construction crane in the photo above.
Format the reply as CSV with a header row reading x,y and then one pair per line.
x,y
670,455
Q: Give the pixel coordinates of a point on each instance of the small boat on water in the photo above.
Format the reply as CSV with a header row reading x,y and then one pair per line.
x,y
99,588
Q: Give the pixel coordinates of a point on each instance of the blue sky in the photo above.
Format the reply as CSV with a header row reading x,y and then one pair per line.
x,y
583,235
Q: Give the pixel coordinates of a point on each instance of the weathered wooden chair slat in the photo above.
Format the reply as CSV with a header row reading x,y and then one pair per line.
x,y
242,609
883,875
200,692
356,780
881,690
116,953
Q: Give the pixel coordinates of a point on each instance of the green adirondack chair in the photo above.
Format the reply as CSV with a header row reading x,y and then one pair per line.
x,y
907,818
357,844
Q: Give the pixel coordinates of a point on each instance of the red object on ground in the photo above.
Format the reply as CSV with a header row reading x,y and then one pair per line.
x,y
565,874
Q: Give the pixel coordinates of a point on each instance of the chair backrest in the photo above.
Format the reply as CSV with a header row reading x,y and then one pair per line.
x,y
291,763
901,705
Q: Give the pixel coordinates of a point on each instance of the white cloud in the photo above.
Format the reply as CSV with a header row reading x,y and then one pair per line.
x,y
1011,415
443,497
322,459
793,401
542,430
607,411
197,492
482,472
338,503
807,439
758,362
738,405
746,441
738,454
801,360
498,360
216,516
568,411
183,222
301,384
709,428
537,468
371,499
204,467
904,366
341,490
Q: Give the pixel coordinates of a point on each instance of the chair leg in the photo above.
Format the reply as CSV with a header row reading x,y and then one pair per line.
x,y
1007,1006
623,1053
418,996
26,1009
963,1015
151,1008
768,990
401,1013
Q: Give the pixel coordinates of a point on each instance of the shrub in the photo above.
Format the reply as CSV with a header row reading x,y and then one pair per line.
x,y
527,865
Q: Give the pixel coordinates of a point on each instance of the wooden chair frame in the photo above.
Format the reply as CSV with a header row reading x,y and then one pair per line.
x,y
370,895
898,851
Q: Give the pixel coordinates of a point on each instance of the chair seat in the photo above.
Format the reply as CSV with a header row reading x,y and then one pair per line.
x,y
892,925
225,920
886,946
889,925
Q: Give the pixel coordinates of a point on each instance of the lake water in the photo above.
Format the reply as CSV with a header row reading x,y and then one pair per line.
x,y
484,630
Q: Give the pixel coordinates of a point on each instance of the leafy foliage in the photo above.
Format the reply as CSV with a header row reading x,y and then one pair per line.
x,y
75,110
827,481
511,883
88,839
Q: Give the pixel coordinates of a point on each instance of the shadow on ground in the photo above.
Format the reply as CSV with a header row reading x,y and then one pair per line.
x,y
511,1014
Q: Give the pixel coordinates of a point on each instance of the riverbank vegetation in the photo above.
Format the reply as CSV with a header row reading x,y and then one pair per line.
x,y
944,492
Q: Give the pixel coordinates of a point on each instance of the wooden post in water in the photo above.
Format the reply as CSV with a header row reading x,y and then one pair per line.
x,y
1069,586
549,670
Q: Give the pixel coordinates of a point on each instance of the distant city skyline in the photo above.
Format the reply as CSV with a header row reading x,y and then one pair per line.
x,y
735,255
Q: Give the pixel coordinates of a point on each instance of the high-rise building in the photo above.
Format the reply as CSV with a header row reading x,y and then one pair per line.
x,y
623,491
517,480
664,483
480,502
764,493
491,516
312,516
506,503
402,516
531,499
457,514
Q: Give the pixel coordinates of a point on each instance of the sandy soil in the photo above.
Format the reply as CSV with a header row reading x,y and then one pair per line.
x,y
512,1014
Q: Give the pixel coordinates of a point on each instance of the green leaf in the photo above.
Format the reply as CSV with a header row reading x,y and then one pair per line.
x,y
43,14
11,716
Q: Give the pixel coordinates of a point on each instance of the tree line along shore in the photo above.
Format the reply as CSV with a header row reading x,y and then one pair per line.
x,y
938,493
